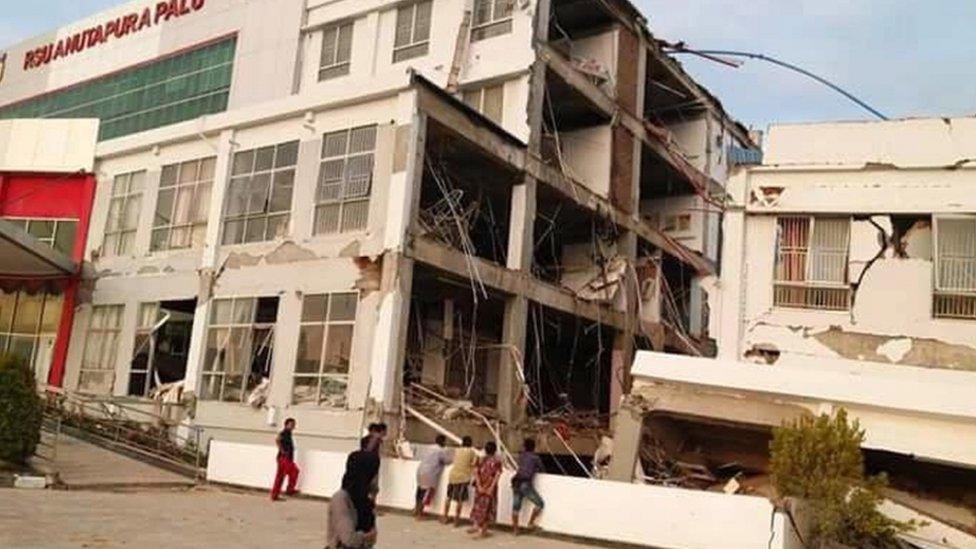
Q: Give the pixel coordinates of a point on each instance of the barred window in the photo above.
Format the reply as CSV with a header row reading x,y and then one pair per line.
x,y
56,233
491,18
488,100
336,51
955,267
811,263
101,349
412,31
123,213
345,180
324,349
259,196
239,347
182,205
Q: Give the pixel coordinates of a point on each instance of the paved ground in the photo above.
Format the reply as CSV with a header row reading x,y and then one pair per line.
x,y
205,517
80,464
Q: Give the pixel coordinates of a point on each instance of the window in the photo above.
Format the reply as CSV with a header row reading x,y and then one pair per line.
x,y
412,31
161,345
324,348
955,267
123,213
259,196
811,263
491,18
239,347
489,101
182,205
101,346
28,327
177,88
345,179
56,233
336,51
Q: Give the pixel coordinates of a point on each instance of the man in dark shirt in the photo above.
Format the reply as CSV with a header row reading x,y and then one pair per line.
x,y
529,464
286,462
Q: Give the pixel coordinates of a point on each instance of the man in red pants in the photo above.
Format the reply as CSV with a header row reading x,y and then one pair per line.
x,y
286,462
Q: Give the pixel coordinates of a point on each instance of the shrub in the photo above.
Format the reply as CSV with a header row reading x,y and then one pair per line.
x,y
20,410
819,460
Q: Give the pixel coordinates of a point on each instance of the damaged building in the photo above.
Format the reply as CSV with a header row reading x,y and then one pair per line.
x,y
467,211
848,281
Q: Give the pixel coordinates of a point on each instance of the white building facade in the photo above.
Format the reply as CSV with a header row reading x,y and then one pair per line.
x,y
261,166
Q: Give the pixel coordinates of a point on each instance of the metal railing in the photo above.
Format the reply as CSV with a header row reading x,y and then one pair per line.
x,y
129,429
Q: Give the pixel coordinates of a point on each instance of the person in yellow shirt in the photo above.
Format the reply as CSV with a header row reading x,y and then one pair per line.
x,y
462,471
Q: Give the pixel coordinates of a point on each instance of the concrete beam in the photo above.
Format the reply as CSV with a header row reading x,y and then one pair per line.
x,y
514,283
651,135
506,149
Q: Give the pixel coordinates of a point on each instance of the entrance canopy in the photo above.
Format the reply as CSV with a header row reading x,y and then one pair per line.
x,y
28,264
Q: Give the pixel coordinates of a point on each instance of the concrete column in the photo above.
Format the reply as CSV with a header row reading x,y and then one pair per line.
x,y
208,262
303,194
628,423
396,281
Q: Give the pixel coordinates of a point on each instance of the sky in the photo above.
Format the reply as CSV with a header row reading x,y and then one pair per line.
x,y
902,57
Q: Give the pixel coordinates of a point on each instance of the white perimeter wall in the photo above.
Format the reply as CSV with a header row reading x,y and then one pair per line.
x,y
605,510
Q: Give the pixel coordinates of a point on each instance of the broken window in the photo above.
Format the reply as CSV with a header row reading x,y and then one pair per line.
x,y
123,213
239,348
101,347
56,233
491,18
488,100
955,267
345,180
161,345
183,205
324,349
336,51
28,327
412,31
811,263
259,195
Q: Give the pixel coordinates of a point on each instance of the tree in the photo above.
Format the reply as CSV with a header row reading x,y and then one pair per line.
x,y
20,410
819,460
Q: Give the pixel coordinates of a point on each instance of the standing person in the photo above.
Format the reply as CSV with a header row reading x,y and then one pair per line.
x,y
351,522
529,464
429,474
375,436
458,480
485,491
286,462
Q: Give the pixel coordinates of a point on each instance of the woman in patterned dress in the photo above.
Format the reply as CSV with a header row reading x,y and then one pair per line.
x,y
486,491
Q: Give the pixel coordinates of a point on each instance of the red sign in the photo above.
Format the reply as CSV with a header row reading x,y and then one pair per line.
x,y
115,28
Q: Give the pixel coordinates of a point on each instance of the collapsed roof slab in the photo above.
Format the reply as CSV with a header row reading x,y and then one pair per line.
x,y
923,412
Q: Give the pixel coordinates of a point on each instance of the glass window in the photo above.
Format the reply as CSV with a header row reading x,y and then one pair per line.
x,y
123,214
336,51
955,267
488,100
412,31
811,263
324,349
240,344
259,195
182,205
56,233
345,180
27,321
157,94
101,348
491,18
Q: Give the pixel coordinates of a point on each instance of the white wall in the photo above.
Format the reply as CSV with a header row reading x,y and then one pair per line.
x,y
613,511
50,145
586,154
